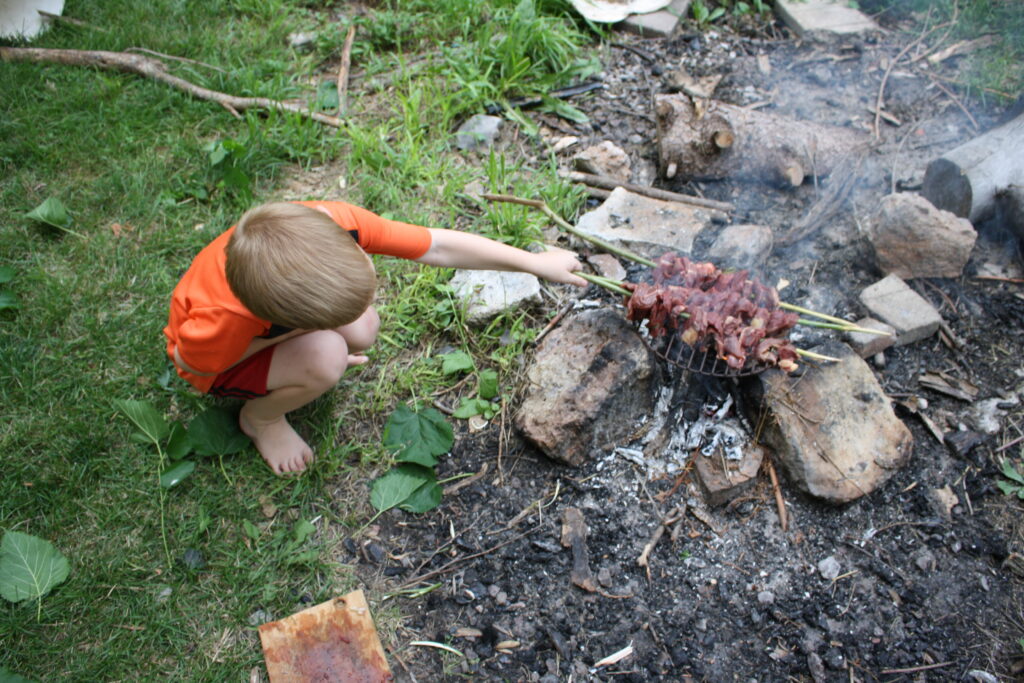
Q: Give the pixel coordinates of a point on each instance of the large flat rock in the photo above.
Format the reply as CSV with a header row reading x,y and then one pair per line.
x,y
649,227
833,429
590,382
820,18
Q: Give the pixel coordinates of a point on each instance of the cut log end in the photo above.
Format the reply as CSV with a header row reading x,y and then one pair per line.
x,y
948,188
724,139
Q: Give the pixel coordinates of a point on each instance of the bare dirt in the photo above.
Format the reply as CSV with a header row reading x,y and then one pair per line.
x,y
915,590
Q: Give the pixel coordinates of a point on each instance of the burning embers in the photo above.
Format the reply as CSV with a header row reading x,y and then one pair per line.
x,y
701,304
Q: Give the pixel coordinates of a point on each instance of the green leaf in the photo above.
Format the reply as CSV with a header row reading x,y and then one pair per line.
x,y
564,109
8,676
418,436
306,557
327,96
178,443
487,384
250,529
1010,472
29,567
174,474
396,486
469,407
8,300
6,274
52,212
457,361
146,418
426,497
1007,488
216,432
303,529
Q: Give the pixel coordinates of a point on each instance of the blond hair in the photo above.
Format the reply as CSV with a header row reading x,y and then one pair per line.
x,y
294,266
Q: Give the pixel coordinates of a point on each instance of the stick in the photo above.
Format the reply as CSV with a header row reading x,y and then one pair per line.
x,y
914,669
636,258
880,100
346,62
779,502
157,70
554,321
610,184
423,577
68,20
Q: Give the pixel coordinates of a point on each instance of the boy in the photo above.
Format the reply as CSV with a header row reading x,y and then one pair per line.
x,y
275,310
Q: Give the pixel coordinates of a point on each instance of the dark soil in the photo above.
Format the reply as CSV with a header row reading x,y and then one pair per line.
x,y
917,591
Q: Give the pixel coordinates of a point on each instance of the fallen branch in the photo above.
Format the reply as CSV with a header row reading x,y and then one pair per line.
x,y
346,63
780,503
157,70
610,184
666,522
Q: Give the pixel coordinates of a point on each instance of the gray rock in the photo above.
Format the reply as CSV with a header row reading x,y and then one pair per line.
x,y
833,429
744,245
766,597
816,667
486,293
867,344
821,18
912,238
607,266
659,24
591,380
604,159
829,568
649,227
478,131
893,302
724,480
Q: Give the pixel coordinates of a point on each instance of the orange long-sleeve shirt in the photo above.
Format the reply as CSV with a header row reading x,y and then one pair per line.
x,y
212,329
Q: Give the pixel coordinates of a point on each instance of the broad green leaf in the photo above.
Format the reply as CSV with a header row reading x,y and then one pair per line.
x,y
487,384
8,300
145,417
426,497
1010,472
6,274
396,486
174,474
8,676
303,529
178,443
418,436
564,109
305,557
327,96
250,529
29,567
456,361
469,407
52,212
216,432
1007,488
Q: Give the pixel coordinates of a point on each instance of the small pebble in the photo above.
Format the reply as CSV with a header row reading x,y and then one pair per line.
x,y
766,597
829,568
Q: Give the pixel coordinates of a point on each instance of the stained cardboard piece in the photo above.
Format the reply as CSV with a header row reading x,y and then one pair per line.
x,y
333,641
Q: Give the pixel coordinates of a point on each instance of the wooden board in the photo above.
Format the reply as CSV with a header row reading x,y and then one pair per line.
x,y
333,641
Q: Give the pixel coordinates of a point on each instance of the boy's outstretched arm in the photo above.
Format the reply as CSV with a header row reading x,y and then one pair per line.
x,y
454,249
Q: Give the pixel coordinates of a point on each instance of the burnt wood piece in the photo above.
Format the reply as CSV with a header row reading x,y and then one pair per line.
x,y
967,180
712,140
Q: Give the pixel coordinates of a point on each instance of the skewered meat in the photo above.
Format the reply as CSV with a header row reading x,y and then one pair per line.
x,y
703,305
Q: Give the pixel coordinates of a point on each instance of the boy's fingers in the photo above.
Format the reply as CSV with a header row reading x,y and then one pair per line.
x,y
357,359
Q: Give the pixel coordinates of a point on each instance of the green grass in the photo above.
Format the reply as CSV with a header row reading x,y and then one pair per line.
x,y
120,149
991,74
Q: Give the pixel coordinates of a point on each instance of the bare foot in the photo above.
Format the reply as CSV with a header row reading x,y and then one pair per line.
x,y
281,447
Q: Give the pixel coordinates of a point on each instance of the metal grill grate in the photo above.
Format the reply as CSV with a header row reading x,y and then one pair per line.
x,y
702,360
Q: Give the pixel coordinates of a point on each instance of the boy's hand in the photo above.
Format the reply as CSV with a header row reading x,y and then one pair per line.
x,y
557,265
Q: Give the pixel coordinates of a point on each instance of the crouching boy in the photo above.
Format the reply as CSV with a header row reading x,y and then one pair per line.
x,y
274,310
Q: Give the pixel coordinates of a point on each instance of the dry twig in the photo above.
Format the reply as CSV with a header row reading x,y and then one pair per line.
x,y
780,503
157,70
346,63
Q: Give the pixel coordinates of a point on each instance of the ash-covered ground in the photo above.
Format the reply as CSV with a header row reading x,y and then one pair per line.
x,y
902,584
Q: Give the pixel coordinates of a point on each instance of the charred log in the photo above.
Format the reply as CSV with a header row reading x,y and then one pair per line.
x,y
966,180
712,140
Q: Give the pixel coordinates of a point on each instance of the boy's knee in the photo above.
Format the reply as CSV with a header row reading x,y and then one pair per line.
x,y
327,358
362,333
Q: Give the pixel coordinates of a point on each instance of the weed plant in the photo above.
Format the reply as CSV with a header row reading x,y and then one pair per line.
x,y
149,175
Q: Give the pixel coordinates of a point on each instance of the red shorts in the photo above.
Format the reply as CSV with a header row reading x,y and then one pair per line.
x,y
246,380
